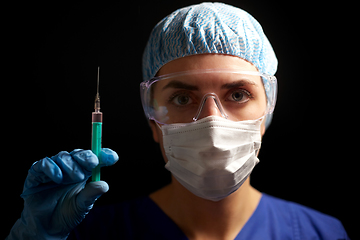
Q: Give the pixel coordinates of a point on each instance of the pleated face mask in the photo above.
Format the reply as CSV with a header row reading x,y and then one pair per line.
x,y
213,156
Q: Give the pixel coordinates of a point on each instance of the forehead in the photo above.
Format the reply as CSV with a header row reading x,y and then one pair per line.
x,y
210,79
197,76
197,63
206,61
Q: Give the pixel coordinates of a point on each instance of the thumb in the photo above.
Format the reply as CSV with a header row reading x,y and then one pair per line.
x,y
92,191
73,211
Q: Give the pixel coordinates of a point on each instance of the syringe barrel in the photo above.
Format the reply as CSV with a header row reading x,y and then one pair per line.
x,y
97,117
96,148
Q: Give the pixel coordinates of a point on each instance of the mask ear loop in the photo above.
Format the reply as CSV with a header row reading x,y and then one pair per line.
x,y
157,124
217,102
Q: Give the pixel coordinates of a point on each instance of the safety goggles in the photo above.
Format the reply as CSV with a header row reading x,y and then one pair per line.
x,y
185,97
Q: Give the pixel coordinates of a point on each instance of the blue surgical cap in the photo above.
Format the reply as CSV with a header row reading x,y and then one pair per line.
x,y
208,28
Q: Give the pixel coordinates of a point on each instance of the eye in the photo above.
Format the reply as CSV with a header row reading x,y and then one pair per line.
x,y
239,96
181,99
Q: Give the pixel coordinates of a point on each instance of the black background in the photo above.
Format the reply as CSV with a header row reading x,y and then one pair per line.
x,y
51,53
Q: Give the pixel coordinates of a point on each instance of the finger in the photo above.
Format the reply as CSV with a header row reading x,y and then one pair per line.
x,y
71,170
85,158
90,193
46,170
75,151
108,157
43,171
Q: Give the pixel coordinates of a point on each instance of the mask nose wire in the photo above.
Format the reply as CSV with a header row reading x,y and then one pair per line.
x,y
217,102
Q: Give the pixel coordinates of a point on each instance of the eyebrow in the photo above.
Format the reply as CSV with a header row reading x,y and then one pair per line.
x,y
237,84
181,85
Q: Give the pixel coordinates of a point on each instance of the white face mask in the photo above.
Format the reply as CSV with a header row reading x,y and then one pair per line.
x,y
212,157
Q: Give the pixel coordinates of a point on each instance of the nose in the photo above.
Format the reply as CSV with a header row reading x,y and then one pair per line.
x,y
210,105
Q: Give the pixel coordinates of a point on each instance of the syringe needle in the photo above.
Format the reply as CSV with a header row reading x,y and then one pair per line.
x,y
97,97
98,77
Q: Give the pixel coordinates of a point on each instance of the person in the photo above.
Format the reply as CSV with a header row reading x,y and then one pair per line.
x,y
209,92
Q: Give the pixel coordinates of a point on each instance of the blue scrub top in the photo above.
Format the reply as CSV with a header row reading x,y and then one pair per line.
x,y
143,219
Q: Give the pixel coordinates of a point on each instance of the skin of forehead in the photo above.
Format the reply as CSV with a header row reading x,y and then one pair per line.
x,y
209,61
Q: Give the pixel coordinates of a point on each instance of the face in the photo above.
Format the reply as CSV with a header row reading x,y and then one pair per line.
x,y
246,95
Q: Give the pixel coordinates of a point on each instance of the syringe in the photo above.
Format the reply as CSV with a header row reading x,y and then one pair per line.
x,y
96,132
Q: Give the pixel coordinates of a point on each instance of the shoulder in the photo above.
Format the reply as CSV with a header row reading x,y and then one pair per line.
x,y
306,223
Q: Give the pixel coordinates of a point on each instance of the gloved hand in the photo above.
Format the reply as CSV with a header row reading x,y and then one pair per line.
x,y
55,195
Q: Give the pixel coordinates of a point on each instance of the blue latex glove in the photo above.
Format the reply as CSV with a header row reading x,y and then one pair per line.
x,y
55,195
